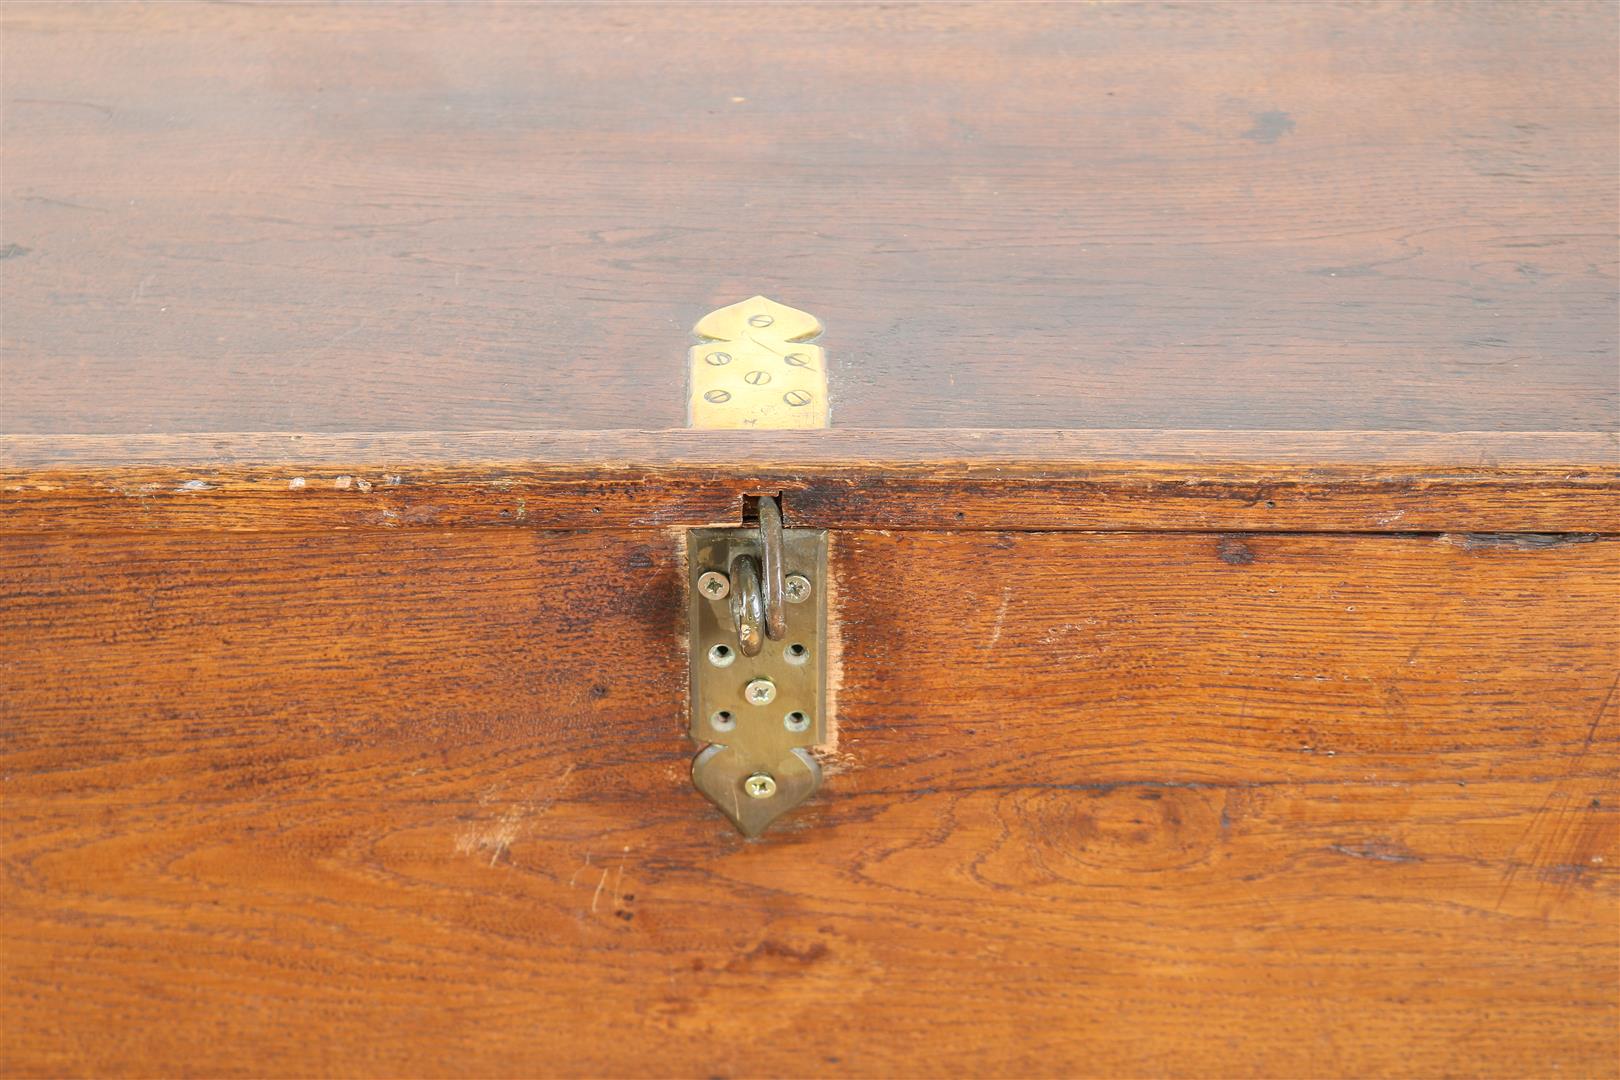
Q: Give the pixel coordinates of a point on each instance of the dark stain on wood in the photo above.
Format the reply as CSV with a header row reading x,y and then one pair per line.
x,y
1233,551
1269,126
1522,541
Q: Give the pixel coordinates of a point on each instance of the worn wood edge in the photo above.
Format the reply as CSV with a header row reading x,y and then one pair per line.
x,y
833,446
1150,480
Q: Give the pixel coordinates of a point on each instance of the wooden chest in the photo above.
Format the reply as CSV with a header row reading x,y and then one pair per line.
x,y
1199,533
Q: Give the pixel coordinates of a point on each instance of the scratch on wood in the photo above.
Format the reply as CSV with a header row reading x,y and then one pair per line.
x,y
1001,617
1557,823
1378,851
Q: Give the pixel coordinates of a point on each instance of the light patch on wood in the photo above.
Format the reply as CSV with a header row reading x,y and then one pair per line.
x,y
511,824
342,483
677,541
496,839
295,483
1001,616
827,753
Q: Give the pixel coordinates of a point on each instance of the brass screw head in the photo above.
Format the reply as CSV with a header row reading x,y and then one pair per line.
x,y
796,588
760,692
759,786
714,585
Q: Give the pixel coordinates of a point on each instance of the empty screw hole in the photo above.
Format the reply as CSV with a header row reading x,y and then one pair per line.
x,y
797,653
721,655
796,721
722,721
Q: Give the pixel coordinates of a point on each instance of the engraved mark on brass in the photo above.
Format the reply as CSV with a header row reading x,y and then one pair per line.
x,y
756,369
758,713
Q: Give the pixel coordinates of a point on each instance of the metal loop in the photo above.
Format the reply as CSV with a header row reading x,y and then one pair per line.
x,y
747,606
773,591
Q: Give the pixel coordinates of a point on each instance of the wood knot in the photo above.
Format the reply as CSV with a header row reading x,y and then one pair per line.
x,y
1126,827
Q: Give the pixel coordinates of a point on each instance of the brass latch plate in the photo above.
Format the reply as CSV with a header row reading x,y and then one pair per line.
x,y
756,369
758,714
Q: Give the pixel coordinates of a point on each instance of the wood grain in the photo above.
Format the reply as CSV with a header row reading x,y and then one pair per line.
x,y
1227,543
366,803
1549,482
361,218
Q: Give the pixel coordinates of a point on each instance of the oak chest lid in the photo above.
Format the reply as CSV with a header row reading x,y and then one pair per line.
x,y
1056,248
